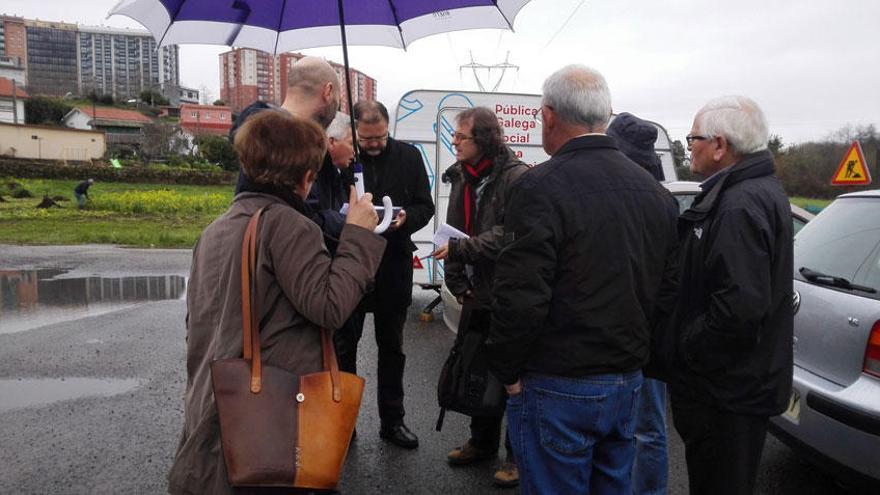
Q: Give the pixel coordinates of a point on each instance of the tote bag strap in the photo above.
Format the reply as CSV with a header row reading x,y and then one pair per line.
x,y
249,324
251,327
331,365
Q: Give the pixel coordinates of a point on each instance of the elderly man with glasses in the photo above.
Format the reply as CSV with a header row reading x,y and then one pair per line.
x,y
728,351
391,168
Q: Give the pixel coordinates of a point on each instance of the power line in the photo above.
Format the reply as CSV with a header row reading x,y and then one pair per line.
x,y
564,24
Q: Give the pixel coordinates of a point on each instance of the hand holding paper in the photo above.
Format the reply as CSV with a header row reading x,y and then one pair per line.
x,y
446,232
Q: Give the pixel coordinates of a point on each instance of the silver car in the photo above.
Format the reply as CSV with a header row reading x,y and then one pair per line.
x,y
834,411
684,192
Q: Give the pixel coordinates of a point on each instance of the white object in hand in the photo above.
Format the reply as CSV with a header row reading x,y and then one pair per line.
x,y
445,232
386,201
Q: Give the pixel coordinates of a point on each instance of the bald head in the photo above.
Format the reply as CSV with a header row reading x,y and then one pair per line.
x,y
309,74
313,90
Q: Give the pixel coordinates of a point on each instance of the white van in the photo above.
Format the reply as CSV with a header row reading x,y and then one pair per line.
x,y
426,119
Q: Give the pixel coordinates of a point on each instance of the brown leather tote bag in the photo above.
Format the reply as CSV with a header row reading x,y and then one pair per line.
x,y
277,428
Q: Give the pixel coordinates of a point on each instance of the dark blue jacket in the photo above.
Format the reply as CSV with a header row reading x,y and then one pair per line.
x,y
729,344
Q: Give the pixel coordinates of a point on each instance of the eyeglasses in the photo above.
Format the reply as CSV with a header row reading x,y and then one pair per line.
x,y
690,138
376,139
460,137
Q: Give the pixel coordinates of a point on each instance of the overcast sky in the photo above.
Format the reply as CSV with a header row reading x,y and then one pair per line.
x,y
812,66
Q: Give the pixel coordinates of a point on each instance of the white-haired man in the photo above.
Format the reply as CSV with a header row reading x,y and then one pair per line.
x,y
330,189
589,253
729,345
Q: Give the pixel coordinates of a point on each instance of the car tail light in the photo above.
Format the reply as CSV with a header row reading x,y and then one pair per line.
x,y
872,353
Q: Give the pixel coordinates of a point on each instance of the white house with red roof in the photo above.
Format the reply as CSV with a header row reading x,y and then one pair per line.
x,y
11,108
121,126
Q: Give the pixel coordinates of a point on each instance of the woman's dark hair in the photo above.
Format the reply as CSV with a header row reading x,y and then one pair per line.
x,y
486,130
277,148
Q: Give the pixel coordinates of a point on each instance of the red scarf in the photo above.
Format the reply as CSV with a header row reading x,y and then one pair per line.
x,y
472,176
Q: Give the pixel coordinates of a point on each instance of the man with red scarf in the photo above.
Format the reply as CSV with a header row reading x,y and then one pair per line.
x,y
480,179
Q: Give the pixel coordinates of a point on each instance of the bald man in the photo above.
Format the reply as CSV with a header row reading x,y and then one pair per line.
x,y
312,92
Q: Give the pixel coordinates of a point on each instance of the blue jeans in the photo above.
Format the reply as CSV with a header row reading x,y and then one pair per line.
x,y
574,435
650,471
80,200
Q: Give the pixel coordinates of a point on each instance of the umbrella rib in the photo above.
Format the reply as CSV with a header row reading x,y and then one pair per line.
x,y
280,21
173,18
495,3
397,23
246,9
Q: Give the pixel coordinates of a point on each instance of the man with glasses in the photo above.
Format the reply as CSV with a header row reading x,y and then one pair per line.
x,y
728,351
480,181
588,261
395,169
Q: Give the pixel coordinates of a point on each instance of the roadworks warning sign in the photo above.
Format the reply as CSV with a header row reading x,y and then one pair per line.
x,y
852,171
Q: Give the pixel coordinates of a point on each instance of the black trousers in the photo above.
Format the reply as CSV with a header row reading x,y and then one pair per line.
x,y
486,435
722,449
485,430
389,339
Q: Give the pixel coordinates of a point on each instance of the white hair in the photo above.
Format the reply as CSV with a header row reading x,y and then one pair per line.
x,y
340,128
579,95
736,118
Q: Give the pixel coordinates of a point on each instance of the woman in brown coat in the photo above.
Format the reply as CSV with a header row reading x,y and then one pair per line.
x,y
299,286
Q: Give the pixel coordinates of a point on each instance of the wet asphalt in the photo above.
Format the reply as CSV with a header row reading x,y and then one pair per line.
x,y
120,438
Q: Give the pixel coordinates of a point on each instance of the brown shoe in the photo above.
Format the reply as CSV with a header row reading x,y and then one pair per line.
x,y
507,475
468,454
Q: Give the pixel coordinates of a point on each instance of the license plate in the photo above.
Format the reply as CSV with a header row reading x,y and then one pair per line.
x,y
793,412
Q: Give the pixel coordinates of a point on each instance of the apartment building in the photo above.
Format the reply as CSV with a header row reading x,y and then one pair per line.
x,y
60,58
248,75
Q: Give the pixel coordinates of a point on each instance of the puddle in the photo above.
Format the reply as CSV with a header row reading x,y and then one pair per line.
x,y
34,298
15,394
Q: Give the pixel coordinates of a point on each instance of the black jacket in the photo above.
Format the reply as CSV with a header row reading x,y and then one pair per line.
x,y
590,250
328,194
481,250
83,188
730,341
400,173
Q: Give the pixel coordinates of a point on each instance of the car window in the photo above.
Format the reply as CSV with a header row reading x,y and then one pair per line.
x,y
797,224
842,242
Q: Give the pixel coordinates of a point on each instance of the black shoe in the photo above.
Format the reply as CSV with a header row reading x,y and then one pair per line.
x,y
399,435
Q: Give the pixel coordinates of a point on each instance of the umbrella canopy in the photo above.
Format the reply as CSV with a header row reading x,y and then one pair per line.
x,y
277,26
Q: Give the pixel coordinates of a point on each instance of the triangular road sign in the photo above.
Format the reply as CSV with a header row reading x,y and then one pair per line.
x,y
853,170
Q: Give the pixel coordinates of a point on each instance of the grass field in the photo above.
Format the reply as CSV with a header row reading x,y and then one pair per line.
x,y
143,215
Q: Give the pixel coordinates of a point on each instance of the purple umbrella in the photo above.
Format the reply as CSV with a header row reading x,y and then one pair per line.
x,y
277,26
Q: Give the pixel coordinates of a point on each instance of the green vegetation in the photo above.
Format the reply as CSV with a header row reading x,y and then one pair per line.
x,y
814,202
142,215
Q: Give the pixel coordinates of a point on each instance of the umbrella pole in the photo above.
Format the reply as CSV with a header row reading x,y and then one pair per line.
x,y
354,140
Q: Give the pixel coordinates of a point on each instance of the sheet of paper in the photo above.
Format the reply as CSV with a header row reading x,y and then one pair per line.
x,y
445,232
